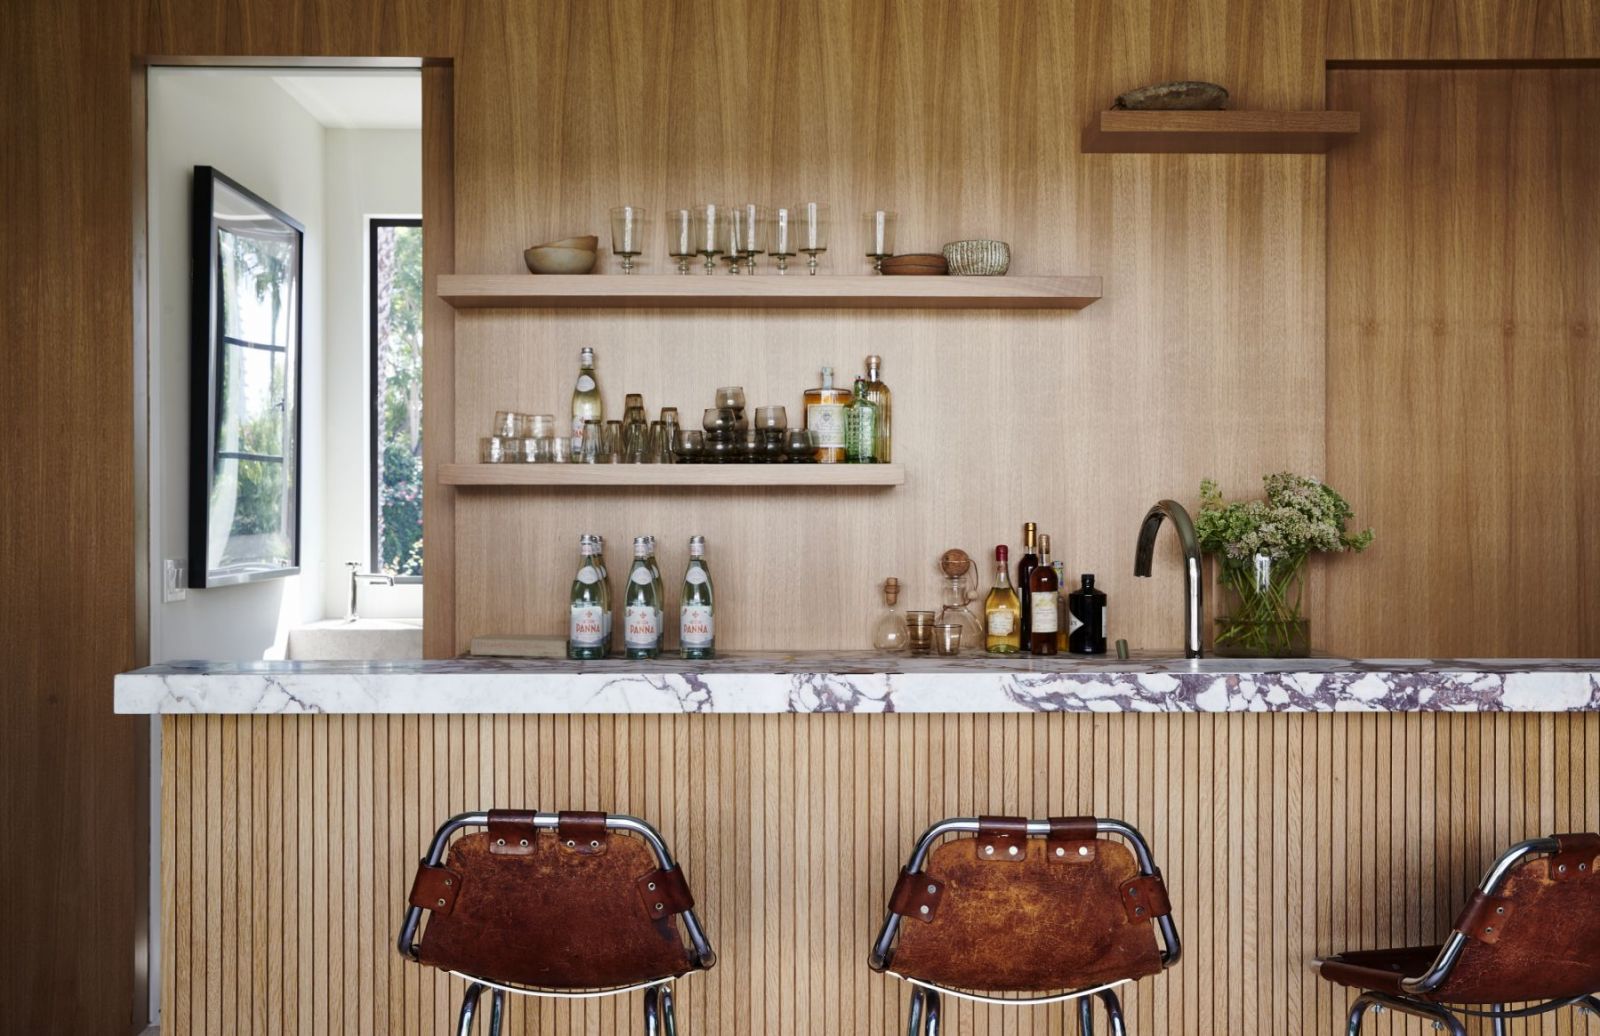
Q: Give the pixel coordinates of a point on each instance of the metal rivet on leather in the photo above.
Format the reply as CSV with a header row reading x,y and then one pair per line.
x,y
1561,868
524,843
499,841
923,909
1083,850
571,844
1139,911
988,850
1133,893
594,845
1060,851
660,906
448,882
652,886
1012,850
1489,930
933,890
1499,910
441,902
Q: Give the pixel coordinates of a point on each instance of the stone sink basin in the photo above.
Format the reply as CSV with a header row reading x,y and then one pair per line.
x,y
361,640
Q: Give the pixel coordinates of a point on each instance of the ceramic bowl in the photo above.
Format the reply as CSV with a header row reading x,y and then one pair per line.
x,y
978,258
553,259
583,242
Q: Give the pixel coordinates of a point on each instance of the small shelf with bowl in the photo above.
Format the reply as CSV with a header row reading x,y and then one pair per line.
x,y
795,290
838,476
1219,132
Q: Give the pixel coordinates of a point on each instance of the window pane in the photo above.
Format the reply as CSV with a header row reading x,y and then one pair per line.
x,y
397,465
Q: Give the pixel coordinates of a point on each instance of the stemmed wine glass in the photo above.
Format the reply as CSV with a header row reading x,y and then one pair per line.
x,y
735,234
813,232
781,236
880,236
627,234
708,233
755,227
680,237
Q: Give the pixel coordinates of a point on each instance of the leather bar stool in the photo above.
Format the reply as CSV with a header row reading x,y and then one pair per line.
x,y
555,904
1530,934
1026,912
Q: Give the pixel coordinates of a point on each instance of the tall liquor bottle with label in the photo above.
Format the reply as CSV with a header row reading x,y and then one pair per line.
x,y
1025,567
880,395
825,419
1045,597
586,637
1002,612
641,615
697,630
861,427
586,404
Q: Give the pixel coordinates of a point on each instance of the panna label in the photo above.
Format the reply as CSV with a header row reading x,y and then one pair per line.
x,y
826,421
1044,611
1001,623
642,626
588,575
696,627
641,575
695,576
586,626
585,383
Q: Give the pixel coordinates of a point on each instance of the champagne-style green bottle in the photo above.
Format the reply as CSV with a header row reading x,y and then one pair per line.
x,y
586,403
585,623
641,616
697,629
861,428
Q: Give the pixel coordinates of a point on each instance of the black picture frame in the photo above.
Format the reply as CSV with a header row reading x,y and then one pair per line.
x,y
229,223
375,224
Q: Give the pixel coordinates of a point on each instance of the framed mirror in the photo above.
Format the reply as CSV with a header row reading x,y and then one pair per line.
x,y
244,441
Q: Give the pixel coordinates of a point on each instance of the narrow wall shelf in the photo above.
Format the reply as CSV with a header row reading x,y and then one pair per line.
x,y
1219,132
631,475
797,290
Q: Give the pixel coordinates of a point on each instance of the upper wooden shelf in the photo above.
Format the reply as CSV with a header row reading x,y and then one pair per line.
x,y
633,475
797,289
1219,132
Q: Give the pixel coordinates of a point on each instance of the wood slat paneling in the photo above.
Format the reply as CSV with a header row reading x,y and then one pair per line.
x,y
1463,299
1282,836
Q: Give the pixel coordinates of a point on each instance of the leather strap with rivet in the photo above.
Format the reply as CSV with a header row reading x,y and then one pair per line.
x,y
916,895
435,888
665,893
1576,856
1072,839
511,832
582,832
1145,898
1002,838
1484,917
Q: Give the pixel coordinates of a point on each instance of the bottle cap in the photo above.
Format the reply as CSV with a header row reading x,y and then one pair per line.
x,y
891,590
588,545
1002,552
1088,580
874,362
641,546
586,354
697,546
1044,542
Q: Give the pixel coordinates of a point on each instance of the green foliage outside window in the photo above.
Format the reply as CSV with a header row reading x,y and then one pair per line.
x,y
398,264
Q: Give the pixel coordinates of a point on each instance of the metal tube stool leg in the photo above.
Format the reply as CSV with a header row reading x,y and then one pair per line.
x,y
652,1016
1498,1025
669,1020
1085,1016
1432,1012
1113,1012
469,1008
497,1011
914,1013
931,1028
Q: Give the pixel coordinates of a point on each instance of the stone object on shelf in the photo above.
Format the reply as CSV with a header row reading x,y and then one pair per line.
x,y
1186,95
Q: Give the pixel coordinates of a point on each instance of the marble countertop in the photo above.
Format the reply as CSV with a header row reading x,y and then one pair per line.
x,y
850,681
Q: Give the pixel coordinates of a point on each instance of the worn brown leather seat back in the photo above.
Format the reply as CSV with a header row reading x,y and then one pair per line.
x,y
1538,936
553,911
1032,920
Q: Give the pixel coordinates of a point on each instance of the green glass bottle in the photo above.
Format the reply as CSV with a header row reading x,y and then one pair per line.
x,y
605,589
641,616
697,630
861,427
585,622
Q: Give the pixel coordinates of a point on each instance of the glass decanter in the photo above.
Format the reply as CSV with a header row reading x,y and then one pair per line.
x,y
889,632
960,587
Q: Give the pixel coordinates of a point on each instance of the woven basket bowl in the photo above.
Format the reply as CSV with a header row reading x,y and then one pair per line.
x,y
979,258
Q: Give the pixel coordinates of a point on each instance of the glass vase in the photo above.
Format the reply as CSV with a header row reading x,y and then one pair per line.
x,y
1259,602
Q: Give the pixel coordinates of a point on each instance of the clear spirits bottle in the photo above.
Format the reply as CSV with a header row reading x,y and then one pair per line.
x,y
889,632
641,617
880,395
1044,592
826,408
697,629
586,404
585,620
1002,611
861,427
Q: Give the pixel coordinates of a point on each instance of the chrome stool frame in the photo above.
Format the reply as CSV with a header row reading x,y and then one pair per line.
x,y
659,1019
924,1015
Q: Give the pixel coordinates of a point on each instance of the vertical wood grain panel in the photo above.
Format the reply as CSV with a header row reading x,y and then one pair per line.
x,y
1464,294
1281,836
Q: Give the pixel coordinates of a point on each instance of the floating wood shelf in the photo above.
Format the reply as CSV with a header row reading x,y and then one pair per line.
x,y
766,290
631,475
1219,132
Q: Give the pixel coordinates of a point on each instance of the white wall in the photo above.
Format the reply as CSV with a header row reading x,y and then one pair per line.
x,y
245,125
366,173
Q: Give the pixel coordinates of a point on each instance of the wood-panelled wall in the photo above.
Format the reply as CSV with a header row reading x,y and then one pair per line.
x,y
1463,376
291,843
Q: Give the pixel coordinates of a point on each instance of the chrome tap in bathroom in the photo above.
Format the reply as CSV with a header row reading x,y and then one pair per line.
x,y
356,576
1191,565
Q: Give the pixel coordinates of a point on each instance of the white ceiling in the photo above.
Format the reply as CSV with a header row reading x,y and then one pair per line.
x,y
364,99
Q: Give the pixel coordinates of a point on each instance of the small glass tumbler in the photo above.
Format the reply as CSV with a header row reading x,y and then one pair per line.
x,y
611,443
731,396
689,445
680,237
919,630
802,446
947,638
628,224
561,449
542,426
812,235
879,227
592,447
492,449
507,424
772,418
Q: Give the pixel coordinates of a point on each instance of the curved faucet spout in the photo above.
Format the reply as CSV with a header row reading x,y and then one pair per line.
x,y
1190,543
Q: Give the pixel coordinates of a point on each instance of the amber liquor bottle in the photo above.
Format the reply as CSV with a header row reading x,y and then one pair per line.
x,y
1044,594
1025,567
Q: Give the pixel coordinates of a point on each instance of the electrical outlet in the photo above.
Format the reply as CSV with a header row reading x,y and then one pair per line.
x,y
174,580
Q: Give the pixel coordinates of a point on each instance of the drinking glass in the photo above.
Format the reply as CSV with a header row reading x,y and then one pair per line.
x,y
735,233
627,233
708,233
880,236
812,238
507,423
561,451
611,443
680,237
755,227
491,450
731,396
689,443
591,443
782,235
635,442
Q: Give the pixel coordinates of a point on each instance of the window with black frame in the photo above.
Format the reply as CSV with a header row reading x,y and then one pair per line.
x,y
394,259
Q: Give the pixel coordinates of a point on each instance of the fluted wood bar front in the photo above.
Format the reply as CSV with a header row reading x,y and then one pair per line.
x,y
289,841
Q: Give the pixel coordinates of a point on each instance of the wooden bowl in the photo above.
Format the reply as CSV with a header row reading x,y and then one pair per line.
x,y
924,264
584,243
554,259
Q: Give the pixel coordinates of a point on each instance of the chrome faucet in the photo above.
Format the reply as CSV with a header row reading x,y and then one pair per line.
x,y
356,576
1191,565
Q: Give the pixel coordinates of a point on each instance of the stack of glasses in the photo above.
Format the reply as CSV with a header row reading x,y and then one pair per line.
x,y
728,437
519,437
